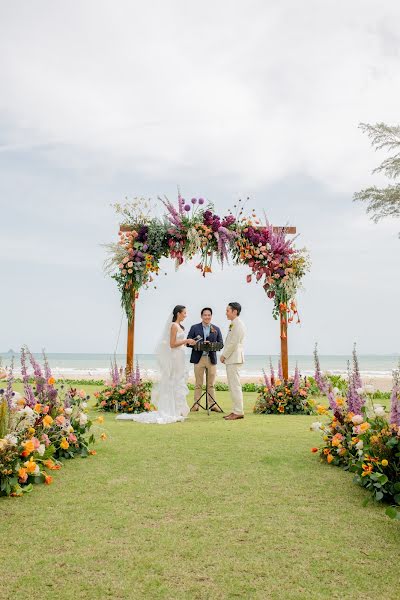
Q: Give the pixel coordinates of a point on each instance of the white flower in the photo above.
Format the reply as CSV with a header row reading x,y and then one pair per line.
x,y
36,472
357,419
41,450
84,404
11,439
82,419
336,391
379,410
360,391
369,388
360,445
68,410
316,426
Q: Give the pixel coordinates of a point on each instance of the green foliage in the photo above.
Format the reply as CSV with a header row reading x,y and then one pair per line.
x,y
3,417
383,202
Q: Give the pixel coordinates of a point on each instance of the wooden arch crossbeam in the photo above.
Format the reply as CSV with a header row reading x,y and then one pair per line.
x,y
130,344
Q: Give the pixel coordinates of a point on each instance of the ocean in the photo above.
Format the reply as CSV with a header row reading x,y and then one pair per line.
x,y
96,366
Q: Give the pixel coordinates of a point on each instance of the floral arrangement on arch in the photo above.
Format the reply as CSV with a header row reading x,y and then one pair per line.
x,y
278,396
40,428
193,228
361,437
130,395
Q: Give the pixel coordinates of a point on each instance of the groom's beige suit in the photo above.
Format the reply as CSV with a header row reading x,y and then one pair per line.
x,y
234,358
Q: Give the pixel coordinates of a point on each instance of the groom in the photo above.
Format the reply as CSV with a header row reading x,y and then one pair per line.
x,y
233,358
204,360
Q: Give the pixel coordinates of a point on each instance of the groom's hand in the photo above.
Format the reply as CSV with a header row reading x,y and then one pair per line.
x,y
222,359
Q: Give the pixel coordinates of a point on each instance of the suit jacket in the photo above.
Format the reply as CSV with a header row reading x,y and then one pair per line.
x,y
215,336
233,349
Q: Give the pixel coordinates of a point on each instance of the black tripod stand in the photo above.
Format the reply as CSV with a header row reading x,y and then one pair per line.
x,y
209,399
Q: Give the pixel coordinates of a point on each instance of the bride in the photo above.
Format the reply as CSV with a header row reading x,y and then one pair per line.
x,y
169,393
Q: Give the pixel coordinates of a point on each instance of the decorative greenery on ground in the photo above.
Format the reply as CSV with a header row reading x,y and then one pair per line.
x,y
360,437
278,396
40,428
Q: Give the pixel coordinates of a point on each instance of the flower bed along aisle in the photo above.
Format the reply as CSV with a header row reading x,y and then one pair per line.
x,y
40,429
130,395
361,437
284,397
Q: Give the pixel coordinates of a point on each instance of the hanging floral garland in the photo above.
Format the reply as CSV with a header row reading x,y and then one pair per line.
x,y
192,229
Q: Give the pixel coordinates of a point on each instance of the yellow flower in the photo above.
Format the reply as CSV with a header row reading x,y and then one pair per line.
x,y
37,407
64,444
278,382
30,465
31,430
339,401
374,439
103,436
384,463
364,427
321,410
47,421
100,420
28,447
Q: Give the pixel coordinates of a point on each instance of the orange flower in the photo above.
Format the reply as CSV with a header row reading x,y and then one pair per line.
x,y
329,458
30,465
314,449
51,381
47,421
281,408
103,436
48,479
29,447
38,407
92,452
23,475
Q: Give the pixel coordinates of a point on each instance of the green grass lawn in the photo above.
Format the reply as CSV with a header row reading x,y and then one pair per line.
x,y
201,509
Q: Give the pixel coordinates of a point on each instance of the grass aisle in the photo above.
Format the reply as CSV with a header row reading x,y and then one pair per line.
x,y
204,509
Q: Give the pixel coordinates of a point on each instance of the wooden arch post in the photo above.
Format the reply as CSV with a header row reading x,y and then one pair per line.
x,y
130,344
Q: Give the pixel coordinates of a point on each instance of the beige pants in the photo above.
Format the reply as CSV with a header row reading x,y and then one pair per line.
x,y
199,372
235,388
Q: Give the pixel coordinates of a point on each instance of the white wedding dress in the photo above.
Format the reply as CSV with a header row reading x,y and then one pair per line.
x,y
170,391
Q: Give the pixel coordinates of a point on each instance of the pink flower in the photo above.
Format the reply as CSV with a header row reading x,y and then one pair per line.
x,y
60,420
125,259
35,442
120,266
82,394
72,437
130,264
45,439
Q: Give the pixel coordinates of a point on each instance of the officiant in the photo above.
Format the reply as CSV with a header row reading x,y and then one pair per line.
x,y
203,361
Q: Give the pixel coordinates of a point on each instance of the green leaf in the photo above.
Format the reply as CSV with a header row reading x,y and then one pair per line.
x,y
391,512
382,478
378,496
397,498
366,501
397,487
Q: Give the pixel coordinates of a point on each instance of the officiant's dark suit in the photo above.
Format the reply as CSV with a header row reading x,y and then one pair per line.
x,y
203,360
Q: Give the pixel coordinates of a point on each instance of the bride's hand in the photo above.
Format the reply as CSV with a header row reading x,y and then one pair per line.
x,y
190,342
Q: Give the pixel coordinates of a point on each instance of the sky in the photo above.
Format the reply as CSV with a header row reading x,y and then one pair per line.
x,y
103,101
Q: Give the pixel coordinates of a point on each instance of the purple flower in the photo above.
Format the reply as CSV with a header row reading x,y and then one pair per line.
x,y
280,371
395,399
187,207
193,200
267,380
201,200
10,380
296,380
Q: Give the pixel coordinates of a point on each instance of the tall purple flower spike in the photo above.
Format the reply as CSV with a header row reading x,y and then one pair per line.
x,y
114,372
10,380
271,368
355,402
49,389
356,370
28,391
296,380
395,399
37,371
280,372
320,380
267,380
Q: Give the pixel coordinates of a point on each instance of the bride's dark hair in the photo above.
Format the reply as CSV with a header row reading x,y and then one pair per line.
x,y
178,309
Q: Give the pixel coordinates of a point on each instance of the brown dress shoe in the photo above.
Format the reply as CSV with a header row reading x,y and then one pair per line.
x,y
226,416
233,417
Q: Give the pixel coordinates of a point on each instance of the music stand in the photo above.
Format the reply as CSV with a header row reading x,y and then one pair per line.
x,y
206,346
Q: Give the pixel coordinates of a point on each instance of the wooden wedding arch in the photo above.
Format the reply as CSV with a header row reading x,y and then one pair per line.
x,y
283,319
